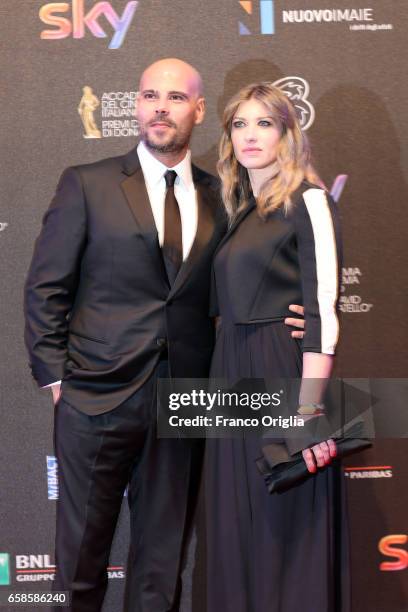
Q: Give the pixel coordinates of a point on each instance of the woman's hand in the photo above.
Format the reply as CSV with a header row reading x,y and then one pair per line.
x,y
319,455
295,322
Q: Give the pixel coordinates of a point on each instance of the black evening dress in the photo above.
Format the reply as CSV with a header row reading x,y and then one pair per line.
x,y
283,552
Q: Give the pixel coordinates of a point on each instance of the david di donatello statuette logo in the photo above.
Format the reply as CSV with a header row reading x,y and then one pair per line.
x,y
87,106
112,114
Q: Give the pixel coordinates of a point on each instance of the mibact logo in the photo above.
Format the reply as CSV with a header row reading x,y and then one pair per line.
x,y
52,477
51,15
262,17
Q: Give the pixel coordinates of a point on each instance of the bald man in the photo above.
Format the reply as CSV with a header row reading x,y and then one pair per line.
x,y
116,297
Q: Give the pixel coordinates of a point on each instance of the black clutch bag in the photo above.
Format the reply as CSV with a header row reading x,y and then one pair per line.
x,y
282,470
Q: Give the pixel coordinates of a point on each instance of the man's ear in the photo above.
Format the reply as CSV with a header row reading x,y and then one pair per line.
x,y
200,111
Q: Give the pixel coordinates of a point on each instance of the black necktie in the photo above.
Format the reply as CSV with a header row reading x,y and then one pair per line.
x,y
172,243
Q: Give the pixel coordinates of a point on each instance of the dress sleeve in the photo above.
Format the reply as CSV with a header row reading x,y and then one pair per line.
x,y
319,249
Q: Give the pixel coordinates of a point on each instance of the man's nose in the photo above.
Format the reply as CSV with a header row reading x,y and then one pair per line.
x,y
162,107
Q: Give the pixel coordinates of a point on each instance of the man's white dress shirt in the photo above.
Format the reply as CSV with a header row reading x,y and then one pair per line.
x,y
184,191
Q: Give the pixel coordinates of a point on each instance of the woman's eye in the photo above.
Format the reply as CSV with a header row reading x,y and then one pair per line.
x,y
237,124
265,123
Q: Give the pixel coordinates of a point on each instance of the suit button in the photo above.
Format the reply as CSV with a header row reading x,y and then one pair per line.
x,y
161,342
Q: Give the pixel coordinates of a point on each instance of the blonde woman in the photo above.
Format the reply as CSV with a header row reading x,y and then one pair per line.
x,y
281,552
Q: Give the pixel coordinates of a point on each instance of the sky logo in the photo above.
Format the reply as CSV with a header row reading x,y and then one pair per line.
x,y
50,14
4,569
52,477
387,547
266,17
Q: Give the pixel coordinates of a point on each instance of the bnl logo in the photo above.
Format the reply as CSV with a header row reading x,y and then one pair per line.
x,y
266,17
4,569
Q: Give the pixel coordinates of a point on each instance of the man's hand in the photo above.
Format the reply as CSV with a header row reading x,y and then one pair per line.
x,y
300,323
319,455
56,392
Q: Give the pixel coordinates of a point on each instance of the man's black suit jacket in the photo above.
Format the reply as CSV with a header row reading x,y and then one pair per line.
x,y
99,309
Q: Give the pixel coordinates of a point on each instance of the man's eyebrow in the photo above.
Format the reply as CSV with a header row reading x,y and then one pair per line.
x,y
179,93
183,94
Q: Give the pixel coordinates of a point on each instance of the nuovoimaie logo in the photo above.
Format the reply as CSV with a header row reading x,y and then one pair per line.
x,y
260,17
52,477
4,569
51,14
265,21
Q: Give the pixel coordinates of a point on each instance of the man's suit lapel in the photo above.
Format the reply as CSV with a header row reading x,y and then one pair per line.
x,y
137,198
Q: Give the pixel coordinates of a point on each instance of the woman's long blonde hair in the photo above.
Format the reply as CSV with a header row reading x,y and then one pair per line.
x,y
293,154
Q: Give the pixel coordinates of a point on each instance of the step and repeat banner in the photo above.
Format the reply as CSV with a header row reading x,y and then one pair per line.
x,y
70,78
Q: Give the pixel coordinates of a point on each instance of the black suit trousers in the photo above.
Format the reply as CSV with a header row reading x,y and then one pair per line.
x,y
98,456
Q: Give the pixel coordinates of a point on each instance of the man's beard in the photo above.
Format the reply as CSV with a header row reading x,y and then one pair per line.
x,y
177,143
173,146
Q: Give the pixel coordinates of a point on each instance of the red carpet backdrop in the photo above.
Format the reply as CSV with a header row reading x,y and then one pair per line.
x,y
70,75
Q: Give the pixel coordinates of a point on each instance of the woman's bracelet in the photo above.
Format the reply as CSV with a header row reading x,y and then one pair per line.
x,y
311,409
